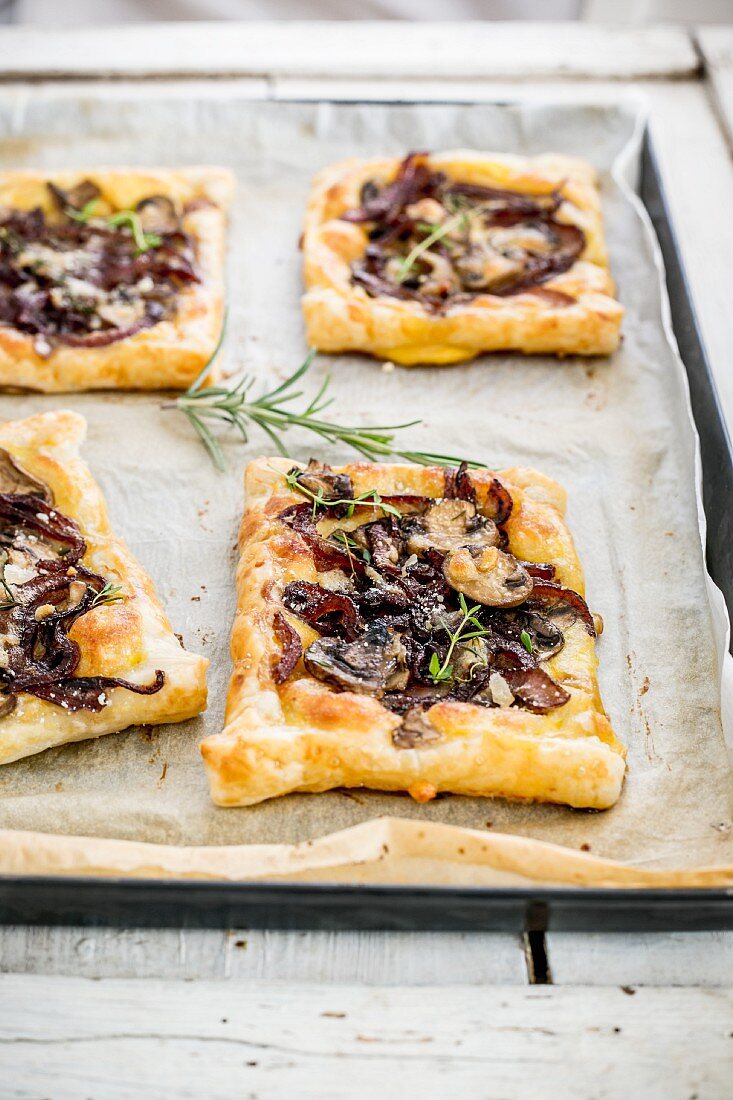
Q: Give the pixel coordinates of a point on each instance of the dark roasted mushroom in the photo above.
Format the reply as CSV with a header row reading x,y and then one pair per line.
x,y
320,480
14,479
77,197
563,605
415,731
489,577
157,215
371,665
535,690
448,525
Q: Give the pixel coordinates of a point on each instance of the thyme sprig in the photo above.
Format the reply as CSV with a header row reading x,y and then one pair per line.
x,y
204,405
129,218
441,672
458,221
111,593
83,215
143,241
371,498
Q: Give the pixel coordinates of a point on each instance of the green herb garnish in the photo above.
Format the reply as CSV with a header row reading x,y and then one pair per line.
x,y
83,215
441,672
203,404
130,218
457,221
370,498
526,640
111,593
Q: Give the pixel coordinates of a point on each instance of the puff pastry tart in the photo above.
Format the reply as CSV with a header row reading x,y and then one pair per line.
x,y
411,628
85,647
438,258
112,278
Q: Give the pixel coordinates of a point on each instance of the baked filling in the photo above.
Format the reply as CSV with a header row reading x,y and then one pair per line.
x,y
420,600
90,276
438,242
45,589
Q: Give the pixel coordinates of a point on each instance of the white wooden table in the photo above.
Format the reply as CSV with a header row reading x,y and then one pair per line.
x,y
118,1014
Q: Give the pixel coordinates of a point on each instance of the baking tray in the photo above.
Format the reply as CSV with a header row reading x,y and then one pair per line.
x,y
159,903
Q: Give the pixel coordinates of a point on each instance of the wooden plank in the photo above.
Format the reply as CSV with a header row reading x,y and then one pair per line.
x,y
69,1037
678,959
373,958
370,49
716,47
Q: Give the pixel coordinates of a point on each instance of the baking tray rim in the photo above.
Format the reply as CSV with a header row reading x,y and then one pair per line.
x,y
530,908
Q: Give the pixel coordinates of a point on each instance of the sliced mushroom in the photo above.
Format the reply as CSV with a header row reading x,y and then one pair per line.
x,y
320,479
535,690
546,634
77,197
157,215
416,730
448,525
370,665
470,662
14,479
489,577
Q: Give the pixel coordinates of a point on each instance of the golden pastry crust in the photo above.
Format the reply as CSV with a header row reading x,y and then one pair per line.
x,y
130,639
171,353
304,736
342,317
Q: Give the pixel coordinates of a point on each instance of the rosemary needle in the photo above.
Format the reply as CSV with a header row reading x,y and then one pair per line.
x,y
205,406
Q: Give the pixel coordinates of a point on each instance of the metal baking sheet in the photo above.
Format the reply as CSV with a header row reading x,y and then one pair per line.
x,y
336,906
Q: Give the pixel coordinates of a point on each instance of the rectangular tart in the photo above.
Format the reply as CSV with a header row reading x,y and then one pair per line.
x,y
85,646
319,698
111,278
440,257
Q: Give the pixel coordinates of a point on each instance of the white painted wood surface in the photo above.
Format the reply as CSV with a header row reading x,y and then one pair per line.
x,y
328,958
125,1039
319,1014
716,48
373,49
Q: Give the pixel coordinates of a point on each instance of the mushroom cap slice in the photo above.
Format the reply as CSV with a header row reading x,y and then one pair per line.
x,y
14,479
490,577
158,214
369,666
320,480
448,525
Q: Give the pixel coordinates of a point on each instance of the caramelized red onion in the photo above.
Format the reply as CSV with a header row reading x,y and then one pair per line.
x,y
394,229
43,660
326,611
55,307
292,648
400,613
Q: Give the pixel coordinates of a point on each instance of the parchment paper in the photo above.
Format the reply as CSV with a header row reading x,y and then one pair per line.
x,y
618,434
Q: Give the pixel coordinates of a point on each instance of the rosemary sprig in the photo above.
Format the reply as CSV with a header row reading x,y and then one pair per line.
x,y
204,405
441,672
111,593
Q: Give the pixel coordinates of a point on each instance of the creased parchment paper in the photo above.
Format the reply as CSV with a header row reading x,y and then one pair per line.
x,y
618,434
